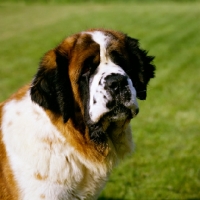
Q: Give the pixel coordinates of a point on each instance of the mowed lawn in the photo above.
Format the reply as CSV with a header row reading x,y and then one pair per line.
x,y
166,161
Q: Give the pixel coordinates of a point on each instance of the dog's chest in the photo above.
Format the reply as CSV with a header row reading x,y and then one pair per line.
x,y
45,166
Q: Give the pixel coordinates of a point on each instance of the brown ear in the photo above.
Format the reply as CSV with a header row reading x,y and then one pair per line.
x,y
142,69
51,87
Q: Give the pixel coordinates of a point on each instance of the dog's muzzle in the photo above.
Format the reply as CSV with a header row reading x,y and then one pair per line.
x,y
122,103
112,95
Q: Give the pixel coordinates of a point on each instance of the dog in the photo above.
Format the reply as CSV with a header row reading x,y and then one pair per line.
x,y
62,134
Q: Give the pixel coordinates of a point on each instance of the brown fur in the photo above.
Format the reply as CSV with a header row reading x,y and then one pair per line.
x,y
8,186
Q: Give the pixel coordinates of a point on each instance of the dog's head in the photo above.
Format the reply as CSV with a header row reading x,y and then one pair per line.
x,y
95,77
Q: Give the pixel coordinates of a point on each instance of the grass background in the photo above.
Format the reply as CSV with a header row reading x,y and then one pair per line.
x,y
166,162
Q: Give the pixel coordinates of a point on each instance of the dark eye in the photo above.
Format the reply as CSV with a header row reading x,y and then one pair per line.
x,y
86,69
117,58
89,65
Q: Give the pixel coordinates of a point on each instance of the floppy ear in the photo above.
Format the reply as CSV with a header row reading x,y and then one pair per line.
x,y
142,69
51,87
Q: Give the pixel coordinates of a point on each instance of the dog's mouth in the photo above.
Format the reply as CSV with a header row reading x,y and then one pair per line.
x,y
119,116
119,113
112,122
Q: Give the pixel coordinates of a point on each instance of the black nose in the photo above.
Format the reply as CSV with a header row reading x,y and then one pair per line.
x,y
115,82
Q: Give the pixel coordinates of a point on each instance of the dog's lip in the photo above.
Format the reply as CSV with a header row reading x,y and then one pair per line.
x,y
119,115
120,110
134,111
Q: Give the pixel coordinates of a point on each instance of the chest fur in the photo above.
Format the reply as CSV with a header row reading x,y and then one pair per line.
x,y
44,165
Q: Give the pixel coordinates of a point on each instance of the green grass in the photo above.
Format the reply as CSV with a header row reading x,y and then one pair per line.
x,y
92,1
166,162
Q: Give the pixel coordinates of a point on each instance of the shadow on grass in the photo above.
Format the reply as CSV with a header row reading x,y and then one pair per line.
x,y
193,199
107,198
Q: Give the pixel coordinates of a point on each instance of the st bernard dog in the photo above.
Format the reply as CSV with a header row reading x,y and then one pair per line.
x,y
61,136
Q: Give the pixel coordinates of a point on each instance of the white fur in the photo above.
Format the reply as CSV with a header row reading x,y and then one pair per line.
x,y
25,127
105,68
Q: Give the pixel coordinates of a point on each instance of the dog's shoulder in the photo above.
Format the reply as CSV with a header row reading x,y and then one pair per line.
x,y
38,156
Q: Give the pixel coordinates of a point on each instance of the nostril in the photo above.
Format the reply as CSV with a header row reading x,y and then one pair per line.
x,y
116,81
113,85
